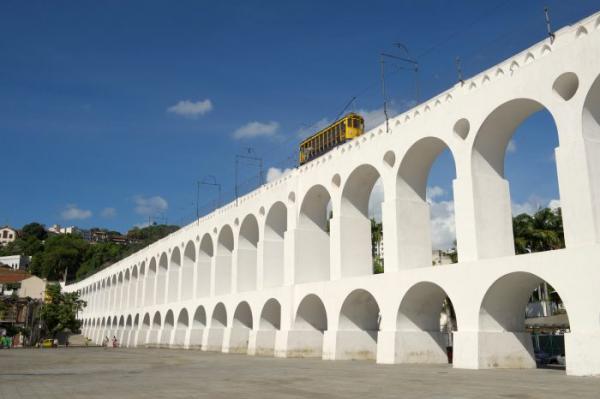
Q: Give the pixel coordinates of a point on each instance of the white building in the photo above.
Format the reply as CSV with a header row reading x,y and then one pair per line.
x,y
16,262
266,275
7,234
33,287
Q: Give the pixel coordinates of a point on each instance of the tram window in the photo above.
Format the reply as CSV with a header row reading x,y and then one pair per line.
x,y
343,128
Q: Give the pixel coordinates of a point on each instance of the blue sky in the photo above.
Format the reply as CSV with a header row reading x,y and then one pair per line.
x,y
111,111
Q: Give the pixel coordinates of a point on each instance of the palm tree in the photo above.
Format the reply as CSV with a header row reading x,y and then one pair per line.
x,y
541,232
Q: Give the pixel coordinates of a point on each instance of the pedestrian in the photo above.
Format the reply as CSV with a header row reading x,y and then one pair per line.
x,y
114,341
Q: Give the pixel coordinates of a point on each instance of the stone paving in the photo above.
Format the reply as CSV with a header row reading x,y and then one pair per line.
x,y
168,373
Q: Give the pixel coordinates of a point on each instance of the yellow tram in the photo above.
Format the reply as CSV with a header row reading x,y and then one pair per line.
x,y
340,131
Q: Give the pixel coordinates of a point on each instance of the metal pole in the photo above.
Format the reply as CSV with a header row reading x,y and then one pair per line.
x,y
387,125
548,26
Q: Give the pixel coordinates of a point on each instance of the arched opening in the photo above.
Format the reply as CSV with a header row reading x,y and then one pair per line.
x,y
247,254
152,337
169,324
218,323
310,324
113,294
360,224
119,294
522,321
591,135
161,278
174,273
312,237
125,304
150,283
127,332
270,317
141,282
273,245
223,261
517,143
424,325
198,326
205,256
187,271
425,212
240,332
358,327
133,286
181,329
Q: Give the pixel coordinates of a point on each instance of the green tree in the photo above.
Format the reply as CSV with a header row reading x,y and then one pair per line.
x,y
59,313
34,229
541,232
61,253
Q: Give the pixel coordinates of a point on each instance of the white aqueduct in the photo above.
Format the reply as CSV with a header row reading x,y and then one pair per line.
x,y
266,276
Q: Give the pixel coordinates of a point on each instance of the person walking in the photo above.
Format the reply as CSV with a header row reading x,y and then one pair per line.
x,y
114,342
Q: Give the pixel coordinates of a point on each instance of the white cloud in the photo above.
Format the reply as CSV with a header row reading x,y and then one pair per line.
x,y
307,131
375,117
434,192
150,206
71,212
108,213
256,129
443,231
511,148
191,109
532,205
275,173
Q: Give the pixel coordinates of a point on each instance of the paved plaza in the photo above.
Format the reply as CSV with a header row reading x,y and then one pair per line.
x,y
161,373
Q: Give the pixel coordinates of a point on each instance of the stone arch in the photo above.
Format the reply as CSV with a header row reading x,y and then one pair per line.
x,y
414,233
121,321
312,237
247,254
218,323
199,317
240,331
146,322
205,255
183,319
591,136
156,320
174,274
310,323
270,316
354,222
133,287
181,328
269,324
358,326
273,245
242,317
504,341
419,320
136,320
161,278
219,316
198,326
187,271
118,304
224,261
150,283
169,320
492,201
